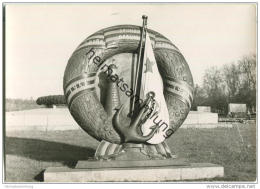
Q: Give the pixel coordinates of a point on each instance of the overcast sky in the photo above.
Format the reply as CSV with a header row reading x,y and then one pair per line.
x,y
40,38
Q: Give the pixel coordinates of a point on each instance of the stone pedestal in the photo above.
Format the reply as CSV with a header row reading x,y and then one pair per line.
x,y
133,164
134,171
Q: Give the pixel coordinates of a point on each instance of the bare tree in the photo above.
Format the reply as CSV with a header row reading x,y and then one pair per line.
x,y
247,66
234,82
214,86
231,77
199,97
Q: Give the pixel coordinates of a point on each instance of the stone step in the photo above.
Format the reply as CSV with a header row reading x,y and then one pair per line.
x,y
193,171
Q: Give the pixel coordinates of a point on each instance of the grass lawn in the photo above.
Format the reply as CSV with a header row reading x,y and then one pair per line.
x,y
29,153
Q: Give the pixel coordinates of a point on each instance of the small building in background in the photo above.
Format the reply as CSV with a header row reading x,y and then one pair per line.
x,y
237,110
203,108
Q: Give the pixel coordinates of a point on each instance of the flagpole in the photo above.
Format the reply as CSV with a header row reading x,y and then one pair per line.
x,y
139,66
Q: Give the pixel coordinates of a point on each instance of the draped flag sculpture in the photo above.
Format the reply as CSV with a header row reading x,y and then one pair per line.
x,y
152,81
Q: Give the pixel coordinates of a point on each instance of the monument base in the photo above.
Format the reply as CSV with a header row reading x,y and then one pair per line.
x,y
150,172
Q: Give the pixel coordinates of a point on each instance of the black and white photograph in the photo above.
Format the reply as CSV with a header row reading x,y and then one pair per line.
x,y
115,92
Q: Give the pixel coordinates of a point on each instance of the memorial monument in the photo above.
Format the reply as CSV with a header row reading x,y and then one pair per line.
x,y
132,118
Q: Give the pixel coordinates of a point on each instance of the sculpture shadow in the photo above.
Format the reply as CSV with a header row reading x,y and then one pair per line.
x,y
40,176
51,151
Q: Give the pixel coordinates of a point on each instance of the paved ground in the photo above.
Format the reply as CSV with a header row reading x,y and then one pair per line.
x,y
42,119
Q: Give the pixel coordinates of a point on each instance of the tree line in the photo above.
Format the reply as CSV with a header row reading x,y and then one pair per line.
x,y
20,104
231,83
51,100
